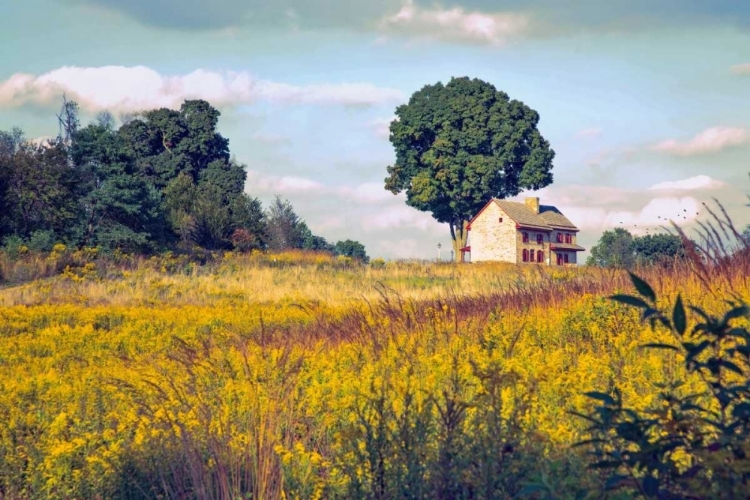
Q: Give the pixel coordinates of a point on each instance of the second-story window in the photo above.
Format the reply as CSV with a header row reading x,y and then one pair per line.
x,y
539,238
559,237
568,239
525,237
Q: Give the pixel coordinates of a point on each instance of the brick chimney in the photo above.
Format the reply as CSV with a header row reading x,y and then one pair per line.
x,y
533,204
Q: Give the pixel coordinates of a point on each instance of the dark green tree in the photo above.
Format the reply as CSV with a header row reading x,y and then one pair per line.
x,y
461,144
351,248
37,187
9,145
165,143
614,249
118,208
180,197
658,248
249,223
313,242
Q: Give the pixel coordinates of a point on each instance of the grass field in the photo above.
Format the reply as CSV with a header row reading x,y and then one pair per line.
x,y
303,376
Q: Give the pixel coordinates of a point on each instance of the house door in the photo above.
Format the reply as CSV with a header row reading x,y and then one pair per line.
x,y
559,259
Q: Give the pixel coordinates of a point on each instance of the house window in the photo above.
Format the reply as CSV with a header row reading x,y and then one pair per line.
x,y
559,259
531,255
525,255
539,238
568,239
539,256
525,237
500,219
565,258
559,237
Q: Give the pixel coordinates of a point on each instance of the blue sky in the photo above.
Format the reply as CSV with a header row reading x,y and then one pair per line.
x,y
647,107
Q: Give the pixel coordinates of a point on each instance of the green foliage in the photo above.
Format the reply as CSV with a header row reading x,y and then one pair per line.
x,y
353,249
620,249
463,443
658,248
249,223
164,179
42,240
686,445
119,209
459,145
615,249
38,188
285,228
165,143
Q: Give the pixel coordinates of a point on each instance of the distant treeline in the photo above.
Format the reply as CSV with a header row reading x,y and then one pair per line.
x,y
163,180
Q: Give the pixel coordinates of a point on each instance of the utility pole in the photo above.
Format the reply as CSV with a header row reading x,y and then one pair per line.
x,y
439,247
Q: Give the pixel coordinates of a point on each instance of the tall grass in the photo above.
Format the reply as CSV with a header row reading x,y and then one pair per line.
x,y
303,376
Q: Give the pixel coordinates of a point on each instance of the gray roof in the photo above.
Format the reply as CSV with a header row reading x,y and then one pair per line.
x,y
566,246
549,217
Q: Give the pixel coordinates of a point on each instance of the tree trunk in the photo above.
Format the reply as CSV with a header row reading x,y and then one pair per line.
x,y
459,235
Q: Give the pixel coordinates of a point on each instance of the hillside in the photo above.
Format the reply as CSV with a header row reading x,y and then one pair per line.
x,y
319,377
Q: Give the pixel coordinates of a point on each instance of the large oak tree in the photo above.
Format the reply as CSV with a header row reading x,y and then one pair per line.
x,y
461,144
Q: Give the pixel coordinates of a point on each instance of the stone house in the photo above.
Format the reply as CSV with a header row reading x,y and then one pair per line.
x,y
527,232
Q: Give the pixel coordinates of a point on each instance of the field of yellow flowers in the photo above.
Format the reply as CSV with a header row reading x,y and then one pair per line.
x,y
305,376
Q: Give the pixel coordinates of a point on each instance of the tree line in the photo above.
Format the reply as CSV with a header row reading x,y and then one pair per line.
x,y
619,248
164,179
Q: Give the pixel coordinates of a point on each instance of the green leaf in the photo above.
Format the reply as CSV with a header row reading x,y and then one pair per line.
x,y
617,481
731,366
630,300
737,312
532,488
678,316
643,288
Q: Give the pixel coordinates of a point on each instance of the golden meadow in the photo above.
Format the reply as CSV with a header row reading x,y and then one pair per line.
x,y
300,375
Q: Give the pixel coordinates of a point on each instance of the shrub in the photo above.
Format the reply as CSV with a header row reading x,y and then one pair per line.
x,y
687,445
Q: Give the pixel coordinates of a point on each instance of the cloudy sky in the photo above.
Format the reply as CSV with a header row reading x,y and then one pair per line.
x,y
647,107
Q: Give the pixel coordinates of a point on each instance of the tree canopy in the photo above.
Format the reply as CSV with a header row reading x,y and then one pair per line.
x,y
461,144
619,248
164,179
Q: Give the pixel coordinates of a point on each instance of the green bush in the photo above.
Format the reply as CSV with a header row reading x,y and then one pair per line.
x,y
687,445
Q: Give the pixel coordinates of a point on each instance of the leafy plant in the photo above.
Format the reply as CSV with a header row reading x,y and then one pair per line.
x,y
687,445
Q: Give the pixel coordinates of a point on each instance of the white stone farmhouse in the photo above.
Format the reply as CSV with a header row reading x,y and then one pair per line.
x,y
527,232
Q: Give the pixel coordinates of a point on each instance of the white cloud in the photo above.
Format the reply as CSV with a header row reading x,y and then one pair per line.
x,y
120,88
381,126
710,140
398,216
455,24
368,193
589,133
741,69
655,214
693,183
282,185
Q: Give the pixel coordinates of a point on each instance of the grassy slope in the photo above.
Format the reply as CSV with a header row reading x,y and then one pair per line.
x,y
255,369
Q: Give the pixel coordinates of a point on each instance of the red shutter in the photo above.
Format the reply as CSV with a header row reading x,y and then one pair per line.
x,y
525,255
